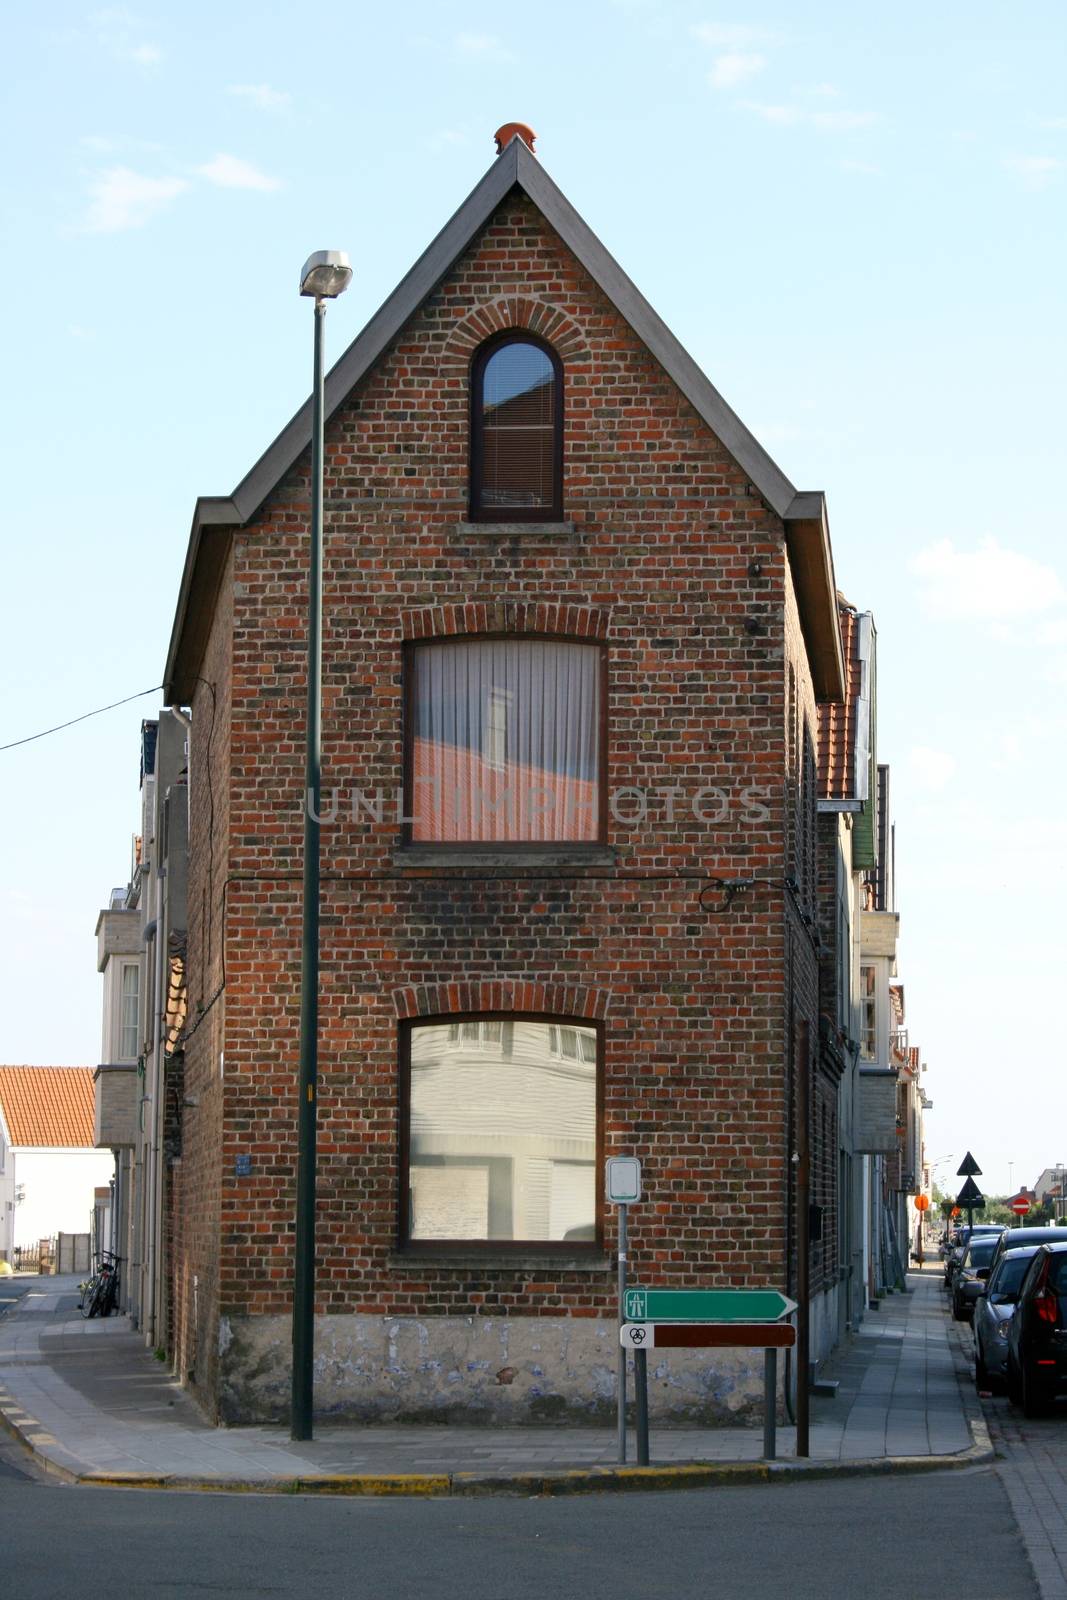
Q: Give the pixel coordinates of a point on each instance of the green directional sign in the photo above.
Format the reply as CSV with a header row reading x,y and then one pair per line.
x,y
706,1305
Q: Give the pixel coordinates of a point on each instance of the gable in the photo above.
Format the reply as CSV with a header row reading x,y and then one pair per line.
x,y
803,514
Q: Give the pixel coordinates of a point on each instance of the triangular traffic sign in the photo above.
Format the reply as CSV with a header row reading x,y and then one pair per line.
x,y
970,1194
970,1167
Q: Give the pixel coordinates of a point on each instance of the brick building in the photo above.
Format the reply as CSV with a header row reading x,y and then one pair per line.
x,y
577,624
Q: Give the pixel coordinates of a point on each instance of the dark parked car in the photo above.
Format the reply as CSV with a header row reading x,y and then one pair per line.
x,y
1015,1238
993,1311
961,1239
971,1273
1037,1338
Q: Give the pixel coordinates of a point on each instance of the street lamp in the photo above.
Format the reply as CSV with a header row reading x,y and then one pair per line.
x,y
325,275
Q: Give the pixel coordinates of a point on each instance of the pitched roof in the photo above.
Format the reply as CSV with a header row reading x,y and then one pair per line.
x,y
844,726
803,513
48,1107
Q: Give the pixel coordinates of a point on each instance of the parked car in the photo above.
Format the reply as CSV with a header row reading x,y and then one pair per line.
x,y
971,1274
993,1311
959,1242
1037,1337
1015,1238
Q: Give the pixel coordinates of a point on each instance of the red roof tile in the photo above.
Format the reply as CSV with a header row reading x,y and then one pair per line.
x,y
48,1107
837,722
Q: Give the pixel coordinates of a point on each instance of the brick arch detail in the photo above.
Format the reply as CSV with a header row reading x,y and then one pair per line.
x,y
497,316
506,616
501,994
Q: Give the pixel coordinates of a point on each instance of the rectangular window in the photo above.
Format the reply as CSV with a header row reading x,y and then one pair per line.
x,y
501,1133
129,1031
868,1014
504,742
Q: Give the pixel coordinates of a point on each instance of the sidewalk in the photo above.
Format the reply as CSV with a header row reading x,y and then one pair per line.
x,y
96,1407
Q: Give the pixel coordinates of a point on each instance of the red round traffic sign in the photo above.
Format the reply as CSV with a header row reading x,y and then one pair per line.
x,y
1020,1205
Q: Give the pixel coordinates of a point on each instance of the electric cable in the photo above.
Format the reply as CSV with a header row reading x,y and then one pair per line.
x,y
30,737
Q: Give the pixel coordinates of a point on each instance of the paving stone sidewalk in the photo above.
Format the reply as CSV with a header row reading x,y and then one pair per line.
x,y
91,1401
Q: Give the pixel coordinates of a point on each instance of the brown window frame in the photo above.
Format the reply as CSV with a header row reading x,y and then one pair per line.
x,y
410,648
477,512
445,1247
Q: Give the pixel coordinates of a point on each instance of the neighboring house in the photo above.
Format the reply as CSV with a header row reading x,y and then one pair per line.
x,y
49,1169
881,1098
573,651
141,953
864,1093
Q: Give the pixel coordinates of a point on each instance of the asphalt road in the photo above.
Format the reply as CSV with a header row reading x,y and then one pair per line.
x,y
951,1535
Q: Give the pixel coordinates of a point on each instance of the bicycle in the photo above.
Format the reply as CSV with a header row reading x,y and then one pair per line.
x,y
100,1295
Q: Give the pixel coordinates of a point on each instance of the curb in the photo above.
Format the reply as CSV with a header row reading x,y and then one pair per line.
x,y
551,1484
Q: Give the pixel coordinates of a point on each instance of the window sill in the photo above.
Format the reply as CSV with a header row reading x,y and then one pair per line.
x,y
550,857
543,1263
515,530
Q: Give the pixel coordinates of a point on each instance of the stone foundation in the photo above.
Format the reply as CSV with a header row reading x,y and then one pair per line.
x,y
474,1370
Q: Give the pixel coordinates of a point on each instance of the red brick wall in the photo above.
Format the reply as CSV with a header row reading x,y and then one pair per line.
x,y
685,568
197,1183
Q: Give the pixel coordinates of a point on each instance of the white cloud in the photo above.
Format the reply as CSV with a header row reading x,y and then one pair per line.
x,y
230,172
120,199
735,67
1056,124
145,55
930,769
791,116
117,29
482,47
84,335
866,168
1034,172
990,583
260,95
734,35
446,139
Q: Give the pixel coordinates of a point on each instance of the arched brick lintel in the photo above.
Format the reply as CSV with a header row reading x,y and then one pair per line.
x,y
515,311
506,616
506,994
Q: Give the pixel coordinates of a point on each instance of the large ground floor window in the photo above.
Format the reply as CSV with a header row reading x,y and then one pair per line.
x,y
500,1134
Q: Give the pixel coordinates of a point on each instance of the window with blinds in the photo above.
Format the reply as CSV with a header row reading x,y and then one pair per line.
x,y
500,1133
517,431
504,742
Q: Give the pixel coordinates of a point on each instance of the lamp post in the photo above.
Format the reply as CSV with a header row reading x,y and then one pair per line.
x,y
326,274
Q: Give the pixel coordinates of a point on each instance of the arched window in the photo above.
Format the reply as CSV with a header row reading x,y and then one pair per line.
x,y
516,431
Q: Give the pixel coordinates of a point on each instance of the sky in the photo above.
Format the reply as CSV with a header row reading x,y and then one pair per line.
x,y
853,217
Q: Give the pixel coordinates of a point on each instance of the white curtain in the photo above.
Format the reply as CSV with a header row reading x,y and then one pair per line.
x,y
506,741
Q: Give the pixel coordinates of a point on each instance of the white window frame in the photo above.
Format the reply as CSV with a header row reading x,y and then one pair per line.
x,y
120,1025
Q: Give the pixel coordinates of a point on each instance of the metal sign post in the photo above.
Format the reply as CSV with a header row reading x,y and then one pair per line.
x,y
770,1337
622,1188
622,1352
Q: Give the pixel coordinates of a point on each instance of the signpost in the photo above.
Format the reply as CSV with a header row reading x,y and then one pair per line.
x,y
706,1305
970,1196
689,1319
707,1335
1020,1205
622,1188
708,1319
